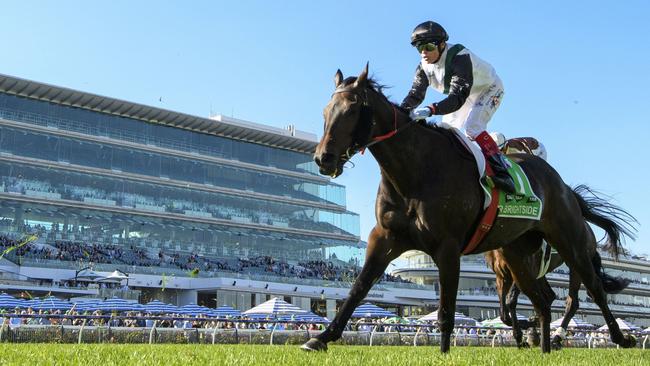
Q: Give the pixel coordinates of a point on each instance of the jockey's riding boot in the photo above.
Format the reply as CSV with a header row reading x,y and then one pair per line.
x,y
501,177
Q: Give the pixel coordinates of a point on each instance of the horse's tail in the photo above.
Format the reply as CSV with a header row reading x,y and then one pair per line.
x,y
611,284
616,223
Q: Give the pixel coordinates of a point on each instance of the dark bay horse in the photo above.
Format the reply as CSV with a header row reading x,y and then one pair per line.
x,y
615,221
429,199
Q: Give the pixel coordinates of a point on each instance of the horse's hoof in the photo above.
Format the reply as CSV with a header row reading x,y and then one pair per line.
x,y
629,341
314,344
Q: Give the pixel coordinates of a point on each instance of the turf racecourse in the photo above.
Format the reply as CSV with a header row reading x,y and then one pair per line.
x,y
186,355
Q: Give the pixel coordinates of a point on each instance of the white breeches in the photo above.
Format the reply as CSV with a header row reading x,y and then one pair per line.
x,y
473,117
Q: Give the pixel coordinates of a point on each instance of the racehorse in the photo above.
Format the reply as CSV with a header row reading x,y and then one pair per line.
x,y
612,219
429,199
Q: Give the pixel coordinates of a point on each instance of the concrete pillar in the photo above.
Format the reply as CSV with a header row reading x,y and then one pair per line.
x,y
259,298
302,302
330,304
187,296
244,300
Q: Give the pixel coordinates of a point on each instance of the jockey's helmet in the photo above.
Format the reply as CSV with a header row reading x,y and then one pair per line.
x,y
428,32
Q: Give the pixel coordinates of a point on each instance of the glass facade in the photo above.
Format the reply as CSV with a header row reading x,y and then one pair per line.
x,y
148,204
40,145
93,189
98,124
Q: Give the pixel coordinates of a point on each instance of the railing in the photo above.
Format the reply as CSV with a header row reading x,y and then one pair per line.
x,y
273,332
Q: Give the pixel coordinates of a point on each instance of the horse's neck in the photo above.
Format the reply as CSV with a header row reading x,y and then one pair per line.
x,y
405,157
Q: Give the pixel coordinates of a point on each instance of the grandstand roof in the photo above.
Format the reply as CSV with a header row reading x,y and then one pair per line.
x,y
290,138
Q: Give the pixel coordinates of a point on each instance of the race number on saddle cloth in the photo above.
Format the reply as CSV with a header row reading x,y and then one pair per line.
x,y
524,204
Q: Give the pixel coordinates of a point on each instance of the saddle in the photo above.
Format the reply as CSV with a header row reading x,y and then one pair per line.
x,y
519,145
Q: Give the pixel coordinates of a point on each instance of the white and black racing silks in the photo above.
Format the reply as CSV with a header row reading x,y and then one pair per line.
x,y
459,73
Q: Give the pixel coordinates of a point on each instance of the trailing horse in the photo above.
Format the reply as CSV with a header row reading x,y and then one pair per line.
x,y
612,219
429,199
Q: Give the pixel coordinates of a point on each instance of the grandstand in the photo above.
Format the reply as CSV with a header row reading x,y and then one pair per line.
x,y
213,210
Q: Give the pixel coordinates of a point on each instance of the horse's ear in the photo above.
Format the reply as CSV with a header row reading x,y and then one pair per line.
x,y
338,78
363,77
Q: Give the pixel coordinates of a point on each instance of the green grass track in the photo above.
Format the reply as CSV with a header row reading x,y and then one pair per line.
x,y
191,355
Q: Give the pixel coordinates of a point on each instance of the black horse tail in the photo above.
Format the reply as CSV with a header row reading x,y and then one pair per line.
x,y
616,223
611,284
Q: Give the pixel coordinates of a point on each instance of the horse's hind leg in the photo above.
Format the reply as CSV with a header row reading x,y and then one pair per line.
x,y
571,239
572,303
380,251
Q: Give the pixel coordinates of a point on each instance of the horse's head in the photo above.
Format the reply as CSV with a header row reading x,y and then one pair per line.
x,y
348,123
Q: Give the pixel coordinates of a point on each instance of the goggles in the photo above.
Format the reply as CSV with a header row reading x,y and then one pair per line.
x,y
428,47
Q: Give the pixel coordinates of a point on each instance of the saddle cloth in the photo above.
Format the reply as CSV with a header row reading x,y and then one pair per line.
x,y
523,204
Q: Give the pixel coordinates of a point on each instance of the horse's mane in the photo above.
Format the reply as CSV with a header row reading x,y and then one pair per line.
x,y
378,88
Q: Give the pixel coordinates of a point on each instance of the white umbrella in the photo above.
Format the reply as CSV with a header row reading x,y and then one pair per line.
x,y
497,323
621,324
459,318
573,323
275,307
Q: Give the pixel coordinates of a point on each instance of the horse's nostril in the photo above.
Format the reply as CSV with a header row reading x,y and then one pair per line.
x,y
325,158
317,160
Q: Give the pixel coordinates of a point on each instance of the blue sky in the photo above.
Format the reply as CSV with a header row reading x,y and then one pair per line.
x,y
575,73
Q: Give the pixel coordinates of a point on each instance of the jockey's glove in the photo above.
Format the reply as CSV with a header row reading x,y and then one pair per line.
x,y
421,113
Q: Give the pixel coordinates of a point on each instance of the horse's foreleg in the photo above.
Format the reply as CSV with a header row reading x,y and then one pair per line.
x,y
448,261
512,298
380,251
503,286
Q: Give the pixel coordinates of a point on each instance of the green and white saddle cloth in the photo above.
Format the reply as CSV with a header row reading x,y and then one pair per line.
x,y
524,204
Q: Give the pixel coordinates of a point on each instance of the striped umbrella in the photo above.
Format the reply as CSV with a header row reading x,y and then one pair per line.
x,y
117,304
159,307
193,309
226,312
369,310
624,325
88,305
274,307
31,302
52,303
574,323
307,317
8,302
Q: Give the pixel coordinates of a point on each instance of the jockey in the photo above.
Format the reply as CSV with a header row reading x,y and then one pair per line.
x,y
474,92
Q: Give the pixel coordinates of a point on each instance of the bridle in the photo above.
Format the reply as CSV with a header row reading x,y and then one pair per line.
x,y
367,111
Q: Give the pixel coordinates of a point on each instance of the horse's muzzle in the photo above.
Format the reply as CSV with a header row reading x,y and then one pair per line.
x,y
328,164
